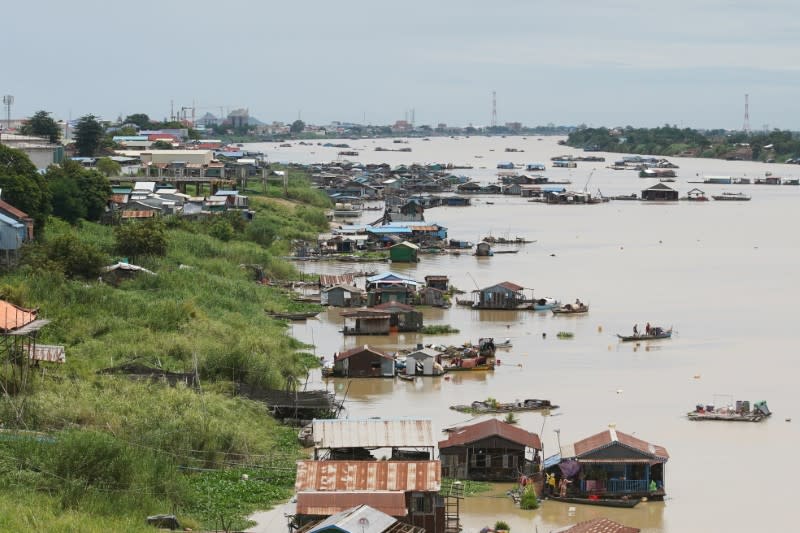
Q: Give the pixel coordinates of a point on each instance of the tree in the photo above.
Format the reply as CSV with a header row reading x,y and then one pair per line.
x,y
108,166
136,239
78,192
67,202
23,187
297,126
221,229
88,136
140,119
261,231
42,124
162,145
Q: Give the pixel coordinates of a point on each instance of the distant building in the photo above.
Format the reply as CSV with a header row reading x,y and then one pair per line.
x,y
660,193
41,152
238,118
363,362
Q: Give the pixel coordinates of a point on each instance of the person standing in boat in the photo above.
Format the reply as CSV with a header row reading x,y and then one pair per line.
x,y
635,330
647,329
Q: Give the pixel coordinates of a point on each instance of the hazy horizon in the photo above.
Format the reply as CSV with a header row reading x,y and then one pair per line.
x,y
617,64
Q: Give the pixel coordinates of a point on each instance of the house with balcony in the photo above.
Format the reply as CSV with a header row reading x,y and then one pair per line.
x,y
612,464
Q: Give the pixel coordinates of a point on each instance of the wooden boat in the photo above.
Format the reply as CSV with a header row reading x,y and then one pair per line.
x,y
486,408
505,251
741,413
655,333
465,303
732,197
406,377
571,309
505,344
295,316
605,502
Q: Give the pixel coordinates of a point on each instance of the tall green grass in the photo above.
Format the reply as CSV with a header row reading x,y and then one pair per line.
x,y
117,449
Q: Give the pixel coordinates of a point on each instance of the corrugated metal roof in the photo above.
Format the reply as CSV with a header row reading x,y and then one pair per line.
x,y
328,280
510,286
326,503
600,525
360,349
373,433
612,436
490,428
355,476
13,317
363,517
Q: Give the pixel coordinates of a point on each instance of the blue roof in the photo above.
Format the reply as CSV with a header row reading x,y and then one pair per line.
x,y
551,461
386,230
10,221
390,276
230,154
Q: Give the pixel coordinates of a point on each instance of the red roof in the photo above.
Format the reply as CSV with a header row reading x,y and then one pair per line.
x,y
361,349
355,476
19,215
510,286
601,525
490,428
610,436
327,504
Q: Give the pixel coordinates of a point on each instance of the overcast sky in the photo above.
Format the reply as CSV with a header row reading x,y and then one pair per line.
x,y
603,63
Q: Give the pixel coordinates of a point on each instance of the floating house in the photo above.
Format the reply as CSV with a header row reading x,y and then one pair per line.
x,y
660,193
504,295
366,322
390,287
363,362
346,439
404,252
424,362
402,317
433,297
535,167
342,296
612,464
437,282
491,450
505,165
405,490
360,519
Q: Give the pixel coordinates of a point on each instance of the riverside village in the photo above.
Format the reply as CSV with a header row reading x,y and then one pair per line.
x,y
353,340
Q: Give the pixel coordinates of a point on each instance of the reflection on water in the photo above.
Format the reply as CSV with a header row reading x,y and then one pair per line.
x,y
724,275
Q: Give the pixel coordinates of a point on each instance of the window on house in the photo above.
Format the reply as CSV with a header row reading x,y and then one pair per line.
x,y
505,460
422,504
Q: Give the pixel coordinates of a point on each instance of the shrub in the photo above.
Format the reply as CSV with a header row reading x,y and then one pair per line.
x,y
529,500
501,525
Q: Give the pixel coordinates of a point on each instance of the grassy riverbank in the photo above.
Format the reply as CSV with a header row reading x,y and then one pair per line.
x,y
81,450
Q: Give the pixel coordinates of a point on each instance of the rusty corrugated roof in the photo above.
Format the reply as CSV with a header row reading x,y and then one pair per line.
x,y
373,433
355,476
610,436
600,525
13,317
326,503
489,428
360,349
328,280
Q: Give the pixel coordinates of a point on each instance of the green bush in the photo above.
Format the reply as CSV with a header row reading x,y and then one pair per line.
x,y
529,500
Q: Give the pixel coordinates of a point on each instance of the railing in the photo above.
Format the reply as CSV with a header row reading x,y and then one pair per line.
x,y
614,485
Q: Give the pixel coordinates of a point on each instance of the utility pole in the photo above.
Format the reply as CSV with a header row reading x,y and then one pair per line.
x,y
8,101
494,109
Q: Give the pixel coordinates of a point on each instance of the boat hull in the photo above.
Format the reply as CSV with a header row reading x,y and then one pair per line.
x,y
627,504
632,338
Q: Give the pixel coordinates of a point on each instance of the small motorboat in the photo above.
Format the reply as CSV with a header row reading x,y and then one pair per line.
x,y
545,304
605,502
655,333
505,344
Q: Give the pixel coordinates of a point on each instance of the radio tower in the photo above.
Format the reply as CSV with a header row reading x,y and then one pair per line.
x,y
494,109
746,127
